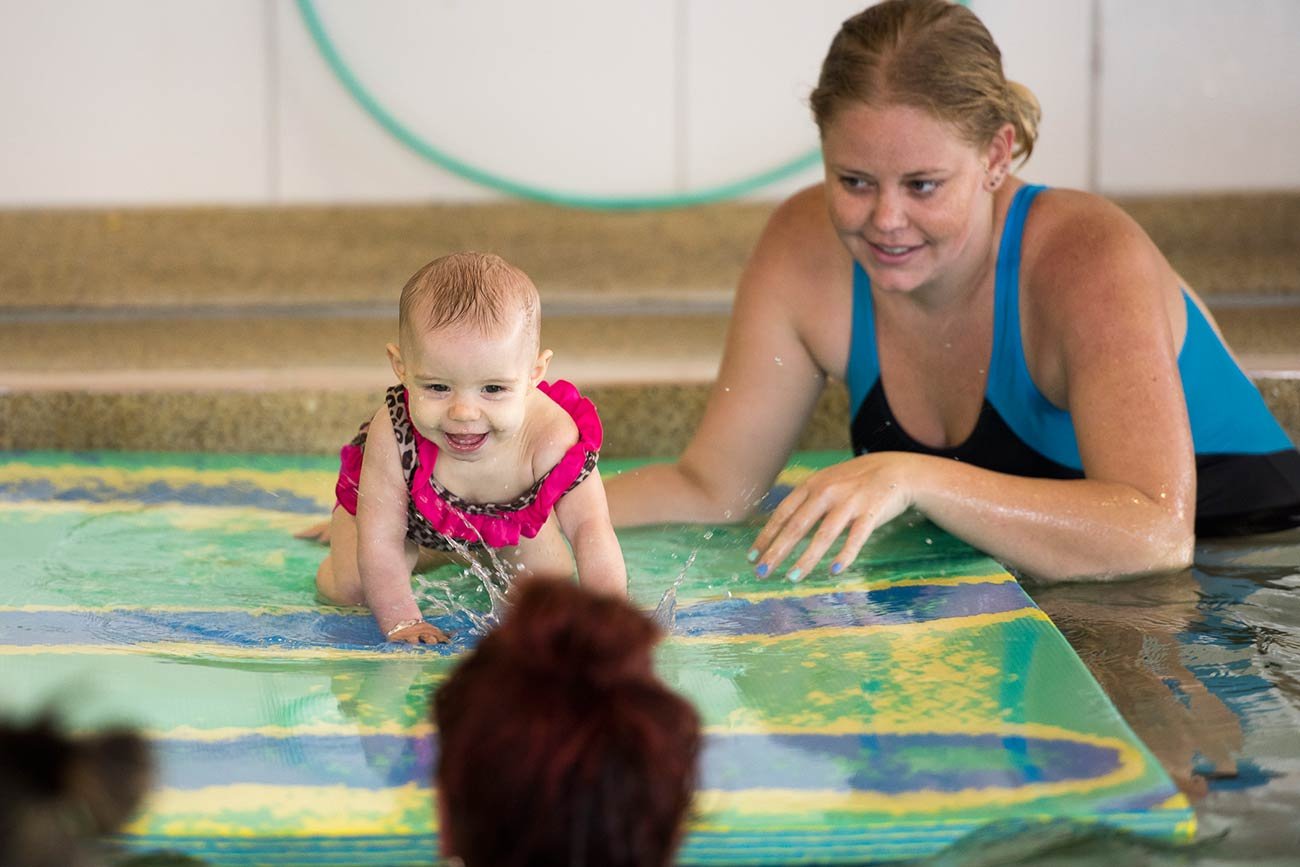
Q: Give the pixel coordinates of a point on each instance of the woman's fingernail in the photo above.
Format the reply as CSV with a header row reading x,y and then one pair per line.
x,y
837,568
794,574
761,571
752,555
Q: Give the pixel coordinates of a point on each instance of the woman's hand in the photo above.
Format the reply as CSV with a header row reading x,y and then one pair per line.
x,y
859,495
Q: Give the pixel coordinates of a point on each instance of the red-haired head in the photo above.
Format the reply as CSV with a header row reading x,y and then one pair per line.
x,y
557,742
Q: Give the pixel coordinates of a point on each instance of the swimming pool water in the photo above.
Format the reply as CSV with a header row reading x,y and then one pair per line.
x,y
1205,666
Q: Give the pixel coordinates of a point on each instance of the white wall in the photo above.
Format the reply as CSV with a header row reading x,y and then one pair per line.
x,y
228,101
1199,94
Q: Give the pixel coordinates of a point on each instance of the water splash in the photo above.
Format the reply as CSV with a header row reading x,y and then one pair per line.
x,y
494,578
665,613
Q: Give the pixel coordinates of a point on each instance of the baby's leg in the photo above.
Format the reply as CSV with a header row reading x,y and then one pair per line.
x,y
545,556
431,559
338,580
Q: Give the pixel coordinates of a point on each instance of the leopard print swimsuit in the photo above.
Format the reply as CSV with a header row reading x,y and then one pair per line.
x,y
439,519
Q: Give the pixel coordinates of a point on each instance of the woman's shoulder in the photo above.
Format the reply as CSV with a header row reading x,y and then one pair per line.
x,y
1077,233
1080,249
801,217
799,246
1089,275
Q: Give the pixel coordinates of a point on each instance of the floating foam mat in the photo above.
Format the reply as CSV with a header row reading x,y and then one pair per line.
x,y
876,715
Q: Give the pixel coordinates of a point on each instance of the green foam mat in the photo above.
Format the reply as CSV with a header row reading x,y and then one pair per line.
x,y
876,715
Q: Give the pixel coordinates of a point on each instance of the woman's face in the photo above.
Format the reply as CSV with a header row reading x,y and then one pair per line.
x,y
904,192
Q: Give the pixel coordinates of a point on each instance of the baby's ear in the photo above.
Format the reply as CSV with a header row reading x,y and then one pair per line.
x,y
540,366
395,359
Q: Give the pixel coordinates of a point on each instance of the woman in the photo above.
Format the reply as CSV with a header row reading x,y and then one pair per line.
x,y
557,744
1021,364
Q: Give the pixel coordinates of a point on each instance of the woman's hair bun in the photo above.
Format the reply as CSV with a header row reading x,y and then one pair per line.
x,y
556,630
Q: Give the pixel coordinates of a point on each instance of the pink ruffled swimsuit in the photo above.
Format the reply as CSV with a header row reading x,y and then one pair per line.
x,y
436,516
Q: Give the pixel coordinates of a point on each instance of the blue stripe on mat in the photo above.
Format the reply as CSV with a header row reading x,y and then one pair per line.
x,y
735,617
239,494
141,627
886,606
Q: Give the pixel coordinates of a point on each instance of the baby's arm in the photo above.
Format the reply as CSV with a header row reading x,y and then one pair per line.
x,y
584,519
384,556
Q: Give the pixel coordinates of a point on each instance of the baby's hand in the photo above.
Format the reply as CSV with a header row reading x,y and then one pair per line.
x,y
418,633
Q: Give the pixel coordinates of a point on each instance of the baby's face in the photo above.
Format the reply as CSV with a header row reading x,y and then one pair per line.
x,y
468,390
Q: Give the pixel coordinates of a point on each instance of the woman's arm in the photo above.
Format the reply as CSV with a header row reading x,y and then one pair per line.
x,y
1100,341
766,388
584,519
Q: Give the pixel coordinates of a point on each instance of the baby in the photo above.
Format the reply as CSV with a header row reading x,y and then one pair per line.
x,y
472,449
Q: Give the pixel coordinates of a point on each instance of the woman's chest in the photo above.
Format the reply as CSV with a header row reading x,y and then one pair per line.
x,y
934,377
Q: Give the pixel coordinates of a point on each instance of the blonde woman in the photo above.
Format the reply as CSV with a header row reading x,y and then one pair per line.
x,y
1024,366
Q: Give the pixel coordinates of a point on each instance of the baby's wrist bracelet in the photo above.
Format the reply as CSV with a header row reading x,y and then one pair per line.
x,y
403,625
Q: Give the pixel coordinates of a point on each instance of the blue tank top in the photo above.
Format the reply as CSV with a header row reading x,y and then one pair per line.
x,y
1248,469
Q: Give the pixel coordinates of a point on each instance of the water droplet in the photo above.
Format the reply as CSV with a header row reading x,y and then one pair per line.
x,y
929,541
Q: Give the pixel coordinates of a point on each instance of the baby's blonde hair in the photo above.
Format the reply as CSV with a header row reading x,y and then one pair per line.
x,y
480,290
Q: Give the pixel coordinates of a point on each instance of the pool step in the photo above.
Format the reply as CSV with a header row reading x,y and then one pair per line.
x,y
303,384
227,257
200,258
255,383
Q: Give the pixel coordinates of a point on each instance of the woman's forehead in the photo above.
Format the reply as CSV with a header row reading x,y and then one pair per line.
x,y
893,136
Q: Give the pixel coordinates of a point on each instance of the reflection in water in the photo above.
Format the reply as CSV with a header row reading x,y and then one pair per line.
x,y
1127,634
1205,667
